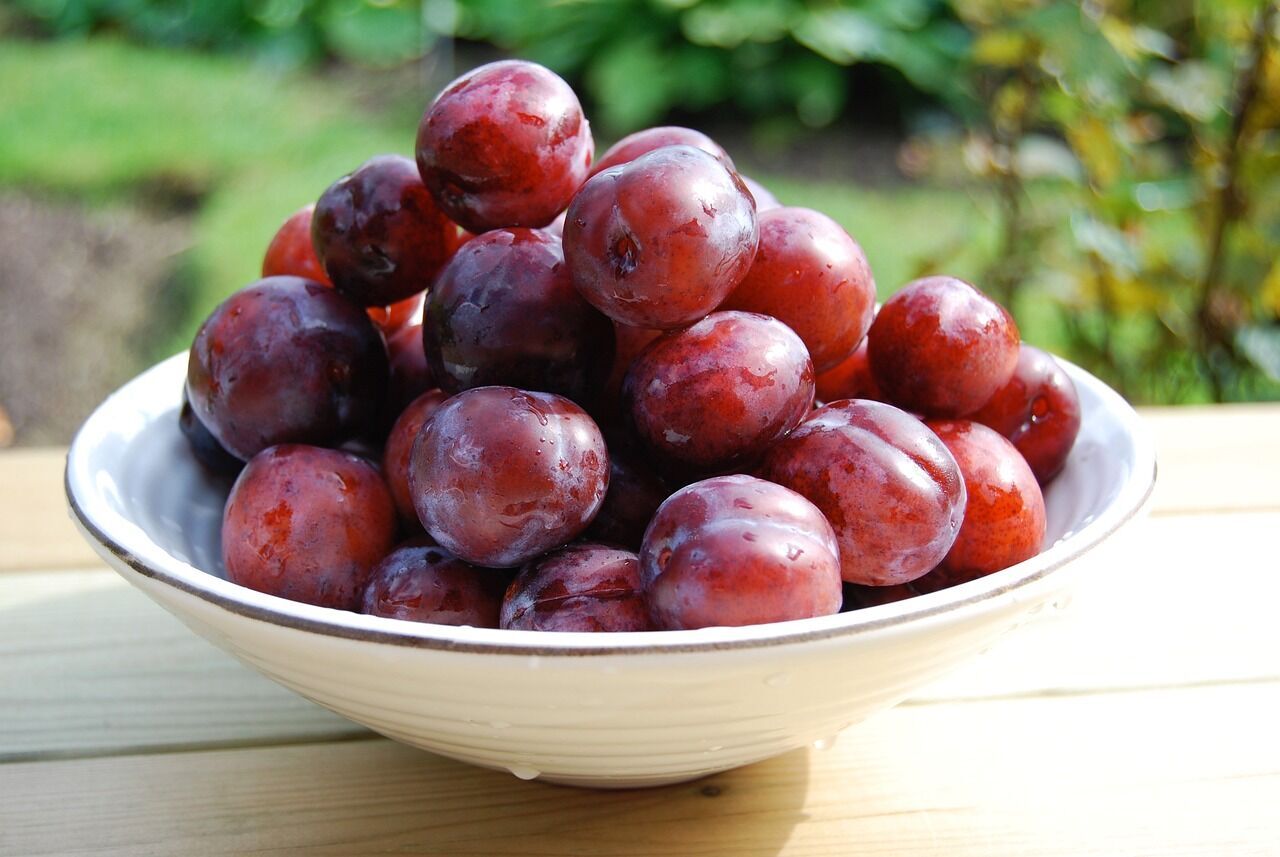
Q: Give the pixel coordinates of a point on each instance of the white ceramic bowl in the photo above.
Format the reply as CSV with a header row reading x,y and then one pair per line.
x,y
584,709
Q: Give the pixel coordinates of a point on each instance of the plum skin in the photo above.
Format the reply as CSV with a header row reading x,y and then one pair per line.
x,y
644,141
204,446
379,234
718,393
291,253
811,275
1038,410
397,453
662,240
635,493
500,475
888,485
851,378
410,375
286,360
505,144
737,550
941,348
582,587
307,524
419,581
1004,522
504,311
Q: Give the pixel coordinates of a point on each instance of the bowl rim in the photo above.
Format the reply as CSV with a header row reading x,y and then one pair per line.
x,y
117,537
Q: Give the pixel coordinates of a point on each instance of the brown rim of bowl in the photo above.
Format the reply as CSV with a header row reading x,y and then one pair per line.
x,y
400,638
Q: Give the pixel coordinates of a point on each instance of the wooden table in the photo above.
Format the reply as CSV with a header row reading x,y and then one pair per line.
x,y
1141,719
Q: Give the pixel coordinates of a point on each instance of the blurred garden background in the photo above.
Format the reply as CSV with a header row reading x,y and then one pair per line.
x,y
1110,170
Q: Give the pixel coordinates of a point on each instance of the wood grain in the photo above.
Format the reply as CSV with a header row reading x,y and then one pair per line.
x,y
1156,773
89,665
35,530
1222,458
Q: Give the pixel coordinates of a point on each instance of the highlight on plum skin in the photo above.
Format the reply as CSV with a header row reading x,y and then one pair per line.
x,y
504,311
1004,521
582,587
500,475
941,348
505,144
661,241
398,451
737,550
286,360
720,392
1038,411
811,275
888,485
379,234
646,140
419,581
307,524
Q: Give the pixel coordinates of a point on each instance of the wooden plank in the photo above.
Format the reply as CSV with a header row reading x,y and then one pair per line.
x,y
35,530
90,666
1219,458
1190,771
1179,601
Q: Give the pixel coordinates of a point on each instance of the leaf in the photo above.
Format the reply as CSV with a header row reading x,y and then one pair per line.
x,y
1104,241
380,35
731,24
1040,157
629,81
1269,292
1261,345
843,36
1096,147
1001,48
1193,88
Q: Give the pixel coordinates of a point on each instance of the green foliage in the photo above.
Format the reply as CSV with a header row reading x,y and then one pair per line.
x,y
251,147
1159,125
642,59
638,60
285,32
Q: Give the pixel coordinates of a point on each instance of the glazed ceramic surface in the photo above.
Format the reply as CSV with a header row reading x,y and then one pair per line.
x,y
583,709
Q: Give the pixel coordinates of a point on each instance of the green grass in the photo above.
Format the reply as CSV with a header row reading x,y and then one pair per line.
x,y
99,120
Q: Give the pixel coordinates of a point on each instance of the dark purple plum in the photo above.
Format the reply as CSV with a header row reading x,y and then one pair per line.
x,y
379,234
582,587
286,360
420,581
504,311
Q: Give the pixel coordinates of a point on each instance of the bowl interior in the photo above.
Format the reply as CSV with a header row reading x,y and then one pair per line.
x,y
141,495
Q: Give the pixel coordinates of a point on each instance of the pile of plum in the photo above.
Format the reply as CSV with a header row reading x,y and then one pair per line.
x,y
603,375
